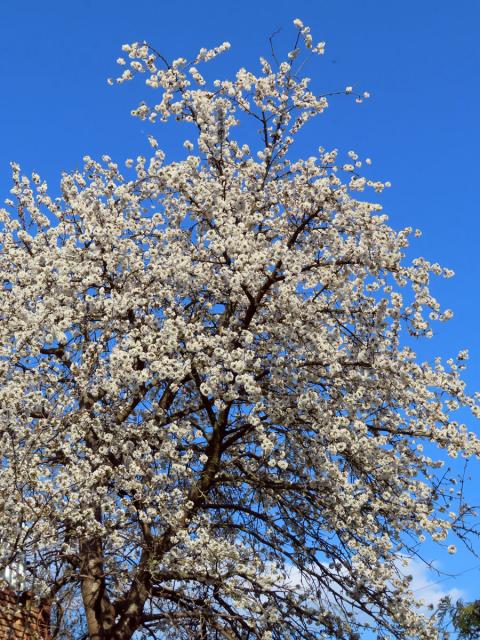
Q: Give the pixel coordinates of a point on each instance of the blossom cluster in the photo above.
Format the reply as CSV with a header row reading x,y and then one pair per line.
x,y
205,379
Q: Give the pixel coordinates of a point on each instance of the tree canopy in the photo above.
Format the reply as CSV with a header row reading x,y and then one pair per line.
x,y
213,422
463,617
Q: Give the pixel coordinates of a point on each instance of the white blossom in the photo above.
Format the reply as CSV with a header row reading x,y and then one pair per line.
x,y
205,379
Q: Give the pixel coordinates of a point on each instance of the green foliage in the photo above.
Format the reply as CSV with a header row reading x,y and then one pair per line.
x,y
464,618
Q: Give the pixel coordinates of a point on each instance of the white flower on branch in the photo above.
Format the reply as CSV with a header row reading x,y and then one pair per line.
x,y
205,383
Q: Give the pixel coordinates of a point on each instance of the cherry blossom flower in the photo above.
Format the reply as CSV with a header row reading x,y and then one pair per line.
x,y
205,380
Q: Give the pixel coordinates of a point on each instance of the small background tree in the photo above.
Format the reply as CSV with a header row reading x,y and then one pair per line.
x,y
463,617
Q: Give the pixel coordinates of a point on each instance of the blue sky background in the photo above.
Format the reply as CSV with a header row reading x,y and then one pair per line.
x,y
418,58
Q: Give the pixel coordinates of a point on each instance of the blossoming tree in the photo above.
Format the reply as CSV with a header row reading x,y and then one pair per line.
x,y
211,425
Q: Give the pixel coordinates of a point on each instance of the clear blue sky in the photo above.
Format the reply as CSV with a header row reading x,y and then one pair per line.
x,y
419,59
